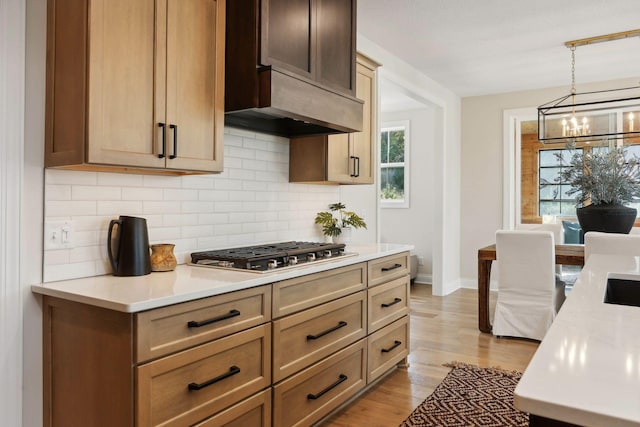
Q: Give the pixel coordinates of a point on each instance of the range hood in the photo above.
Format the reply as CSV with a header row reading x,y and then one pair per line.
x,y
280,103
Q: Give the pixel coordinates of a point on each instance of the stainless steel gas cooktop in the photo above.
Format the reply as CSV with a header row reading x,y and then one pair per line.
x,y
270,257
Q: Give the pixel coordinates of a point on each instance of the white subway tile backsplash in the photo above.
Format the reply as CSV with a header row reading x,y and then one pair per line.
x,y
58,176
142,193
69,208
128,207
86,192
58,192
251,202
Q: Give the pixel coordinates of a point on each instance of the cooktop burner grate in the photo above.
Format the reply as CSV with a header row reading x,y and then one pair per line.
x,y
262,258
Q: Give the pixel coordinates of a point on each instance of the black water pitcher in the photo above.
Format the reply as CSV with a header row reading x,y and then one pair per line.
x,y
131,257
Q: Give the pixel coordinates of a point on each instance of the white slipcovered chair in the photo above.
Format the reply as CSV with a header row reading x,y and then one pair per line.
x,y
610,243
529,295
558,236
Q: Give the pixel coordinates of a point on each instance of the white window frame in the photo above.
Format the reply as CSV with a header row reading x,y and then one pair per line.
x,y
387,126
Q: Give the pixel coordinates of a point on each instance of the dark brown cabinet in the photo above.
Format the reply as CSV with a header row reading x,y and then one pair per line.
x,y
291,66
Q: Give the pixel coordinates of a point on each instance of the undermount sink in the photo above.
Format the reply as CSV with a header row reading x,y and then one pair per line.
x,y
623,291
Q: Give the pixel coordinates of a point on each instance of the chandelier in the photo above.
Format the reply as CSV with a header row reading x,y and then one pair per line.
x,y
581,117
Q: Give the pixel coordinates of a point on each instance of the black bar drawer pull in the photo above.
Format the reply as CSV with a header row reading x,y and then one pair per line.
x,y
358,170
395,344
229,315
353,175
232,371
175,141
340,324
342,378
164,139
391,268
389,304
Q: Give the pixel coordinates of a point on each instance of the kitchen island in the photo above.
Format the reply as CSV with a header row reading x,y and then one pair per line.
x,y
586,370
213,347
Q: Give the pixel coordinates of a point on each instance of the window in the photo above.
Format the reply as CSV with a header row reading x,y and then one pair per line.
x,y
553,198
541,193
394,166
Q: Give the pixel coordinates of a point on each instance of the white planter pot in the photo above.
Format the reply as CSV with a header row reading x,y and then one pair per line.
x,y
344,237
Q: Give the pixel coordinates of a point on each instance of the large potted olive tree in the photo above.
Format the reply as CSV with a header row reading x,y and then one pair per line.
x,y
603,181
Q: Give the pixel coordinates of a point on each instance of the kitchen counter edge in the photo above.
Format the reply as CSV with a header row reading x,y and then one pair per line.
x,y
187,282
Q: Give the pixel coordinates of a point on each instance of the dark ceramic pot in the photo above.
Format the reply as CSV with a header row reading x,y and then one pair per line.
x,y
606,218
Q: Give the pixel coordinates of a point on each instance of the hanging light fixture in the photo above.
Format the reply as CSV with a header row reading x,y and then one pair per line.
x,y
572,118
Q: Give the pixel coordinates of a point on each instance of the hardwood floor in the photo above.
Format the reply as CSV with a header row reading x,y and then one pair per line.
x,y
443,329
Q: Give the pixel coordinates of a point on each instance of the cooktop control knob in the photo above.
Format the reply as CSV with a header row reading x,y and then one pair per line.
x,y
311,256
272,263
293,260
327,253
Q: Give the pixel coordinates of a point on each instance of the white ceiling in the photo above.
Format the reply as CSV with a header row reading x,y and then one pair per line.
x,y
480,47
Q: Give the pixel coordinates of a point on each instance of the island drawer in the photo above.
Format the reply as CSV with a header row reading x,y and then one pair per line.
x,y
290,296
391,267
254,411
387,302
387,347
311,394
189,386
176,327
304,338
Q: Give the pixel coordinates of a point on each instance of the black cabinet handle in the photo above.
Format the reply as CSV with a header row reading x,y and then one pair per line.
x,y
389,304
395,344
358,170
175,141
194,324
340,324
164,139
232,371
342,378
391,268
353,175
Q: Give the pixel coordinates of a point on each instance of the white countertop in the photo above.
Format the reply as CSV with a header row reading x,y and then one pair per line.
x,y
186,282
586,370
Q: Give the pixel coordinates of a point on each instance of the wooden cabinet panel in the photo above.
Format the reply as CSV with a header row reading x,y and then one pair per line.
x,y
195,84
133,65
387,347
310,395
165,330
288,35
364,143
387,302
254,411
87,365
336,44
290,296
226,370
304,338
123,76
391,267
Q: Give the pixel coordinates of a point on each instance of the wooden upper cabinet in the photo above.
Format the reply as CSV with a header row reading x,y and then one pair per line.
x,y
135,85
312,38
341,158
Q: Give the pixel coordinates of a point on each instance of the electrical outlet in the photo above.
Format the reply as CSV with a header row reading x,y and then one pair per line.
x,y
420,260
58,235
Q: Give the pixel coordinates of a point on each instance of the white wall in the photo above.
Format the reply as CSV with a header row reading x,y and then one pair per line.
x,y
415,225
446,170
482,165
12,63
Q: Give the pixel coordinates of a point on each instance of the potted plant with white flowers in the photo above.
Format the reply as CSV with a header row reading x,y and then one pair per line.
x,y
603,181
337,222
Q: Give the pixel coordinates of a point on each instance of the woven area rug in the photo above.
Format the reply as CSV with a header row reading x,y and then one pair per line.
x,y
471,396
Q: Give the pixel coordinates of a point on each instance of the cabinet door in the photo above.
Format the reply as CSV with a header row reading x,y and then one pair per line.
x,y
336,44
123,76
288,35
340,165
363,142
195,84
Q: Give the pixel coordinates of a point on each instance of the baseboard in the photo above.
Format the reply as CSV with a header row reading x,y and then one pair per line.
x,y
473,284
424,278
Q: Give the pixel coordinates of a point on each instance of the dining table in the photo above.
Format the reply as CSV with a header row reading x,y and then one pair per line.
x,y
566,254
